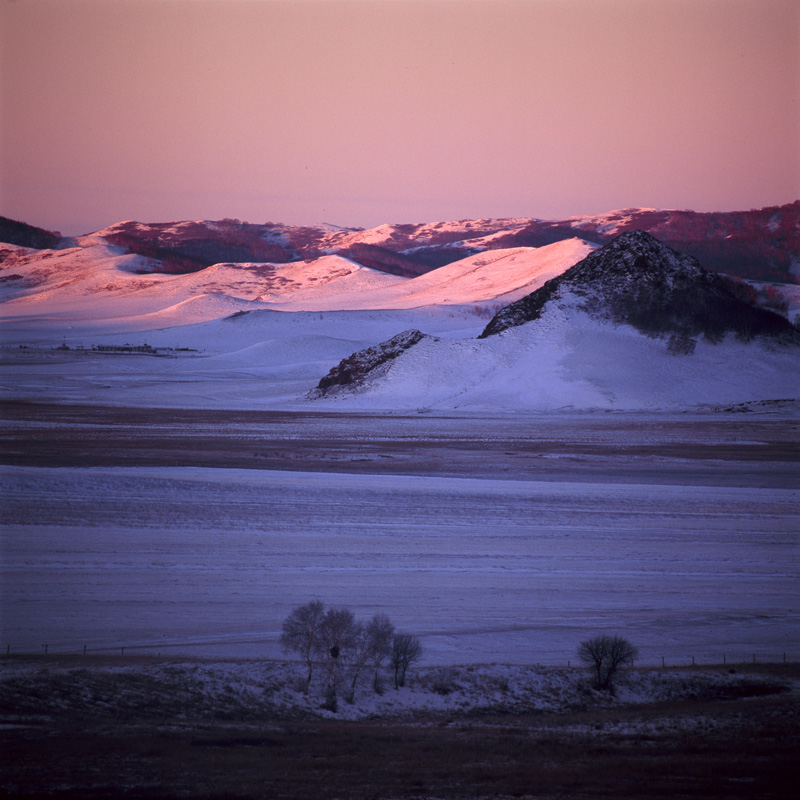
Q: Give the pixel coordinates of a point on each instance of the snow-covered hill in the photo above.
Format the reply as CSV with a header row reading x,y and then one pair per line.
x,y
619,330
639,281
263,334
102,281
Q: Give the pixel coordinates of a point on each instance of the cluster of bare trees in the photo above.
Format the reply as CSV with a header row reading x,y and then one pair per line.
x,y
334,638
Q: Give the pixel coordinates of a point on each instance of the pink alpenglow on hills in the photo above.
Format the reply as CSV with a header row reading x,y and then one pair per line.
x,y
262,332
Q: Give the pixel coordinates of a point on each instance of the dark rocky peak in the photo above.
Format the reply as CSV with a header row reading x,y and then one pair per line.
x,y
352,371
632,261
639,281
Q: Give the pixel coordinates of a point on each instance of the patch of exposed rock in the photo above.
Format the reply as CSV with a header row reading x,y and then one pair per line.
x,y
353,371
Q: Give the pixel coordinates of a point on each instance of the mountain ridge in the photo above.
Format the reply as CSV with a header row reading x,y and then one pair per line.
x,y
759,244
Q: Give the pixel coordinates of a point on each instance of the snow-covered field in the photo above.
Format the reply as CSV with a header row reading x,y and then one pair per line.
x,y
211,561
89,688
691,560
271,359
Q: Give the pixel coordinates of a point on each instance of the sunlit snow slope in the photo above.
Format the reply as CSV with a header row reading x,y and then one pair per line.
x,y
261,335
634,325
101,282
572,362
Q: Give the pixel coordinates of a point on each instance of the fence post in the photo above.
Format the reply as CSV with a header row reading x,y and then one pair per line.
x,y
723,659
662,661
84,649
692,660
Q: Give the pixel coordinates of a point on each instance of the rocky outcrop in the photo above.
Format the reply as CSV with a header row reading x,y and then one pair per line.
x,y
353,371
639,281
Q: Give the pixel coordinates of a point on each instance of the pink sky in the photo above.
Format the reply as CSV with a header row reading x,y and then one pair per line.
x,y
359,113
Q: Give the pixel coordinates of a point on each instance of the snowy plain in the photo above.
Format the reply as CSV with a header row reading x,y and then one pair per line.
x,y
512,567
482,570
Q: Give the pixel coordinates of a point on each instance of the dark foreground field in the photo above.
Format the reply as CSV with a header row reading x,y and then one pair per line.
x,y
707,747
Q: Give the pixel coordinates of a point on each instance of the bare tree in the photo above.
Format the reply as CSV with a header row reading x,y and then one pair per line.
x,y
406,649
606,654
337,635
360,653
301,633
371,643
381,635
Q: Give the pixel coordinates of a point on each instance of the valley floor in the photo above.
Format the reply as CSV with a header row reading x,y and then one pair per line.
x,y
506,538
734,447
500,539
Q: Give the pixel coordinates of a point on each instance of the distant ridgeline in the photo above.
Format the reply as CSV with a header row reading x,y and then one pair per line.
x,y
24,235
761,244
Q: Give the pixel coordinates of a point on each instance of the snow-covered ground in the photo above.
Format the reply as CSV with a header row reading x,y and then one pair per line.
x,y
482,569
270,359
305,317
211,561
258,690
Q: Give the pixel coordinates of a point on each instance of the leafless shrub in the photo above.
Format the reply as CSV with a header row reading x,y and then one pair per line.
x,y
444,682
406,649
605,655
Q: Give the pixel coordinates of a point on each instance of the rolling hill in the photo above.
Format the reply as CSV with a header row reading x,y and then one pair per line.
x,y
759,244
632,324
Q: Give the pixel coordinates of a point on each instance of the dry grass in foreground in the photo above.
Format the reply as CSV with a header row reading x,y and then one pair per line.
x,y
128,728
712,742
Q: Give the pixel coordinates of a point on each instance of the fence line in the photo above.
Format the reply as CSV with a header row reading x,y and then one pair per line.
x,y
665,662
